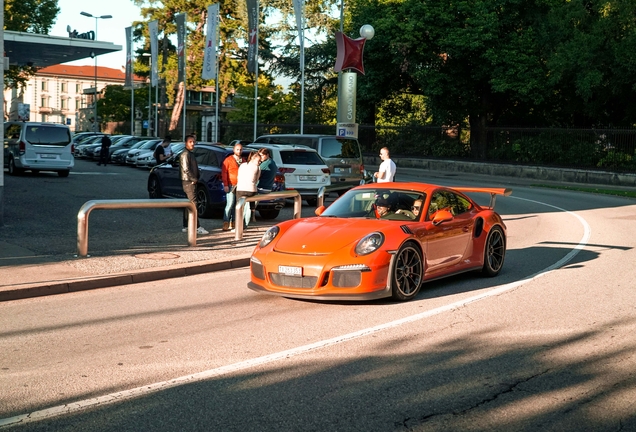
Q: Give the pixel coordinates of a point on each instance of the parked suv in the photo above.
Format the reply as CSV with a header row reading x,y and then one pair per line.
x,y
165,181
38,147
342,155
302,167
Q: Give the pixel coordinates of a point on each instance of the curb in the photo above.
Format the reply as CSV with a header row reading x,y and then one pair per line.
x,y
56,287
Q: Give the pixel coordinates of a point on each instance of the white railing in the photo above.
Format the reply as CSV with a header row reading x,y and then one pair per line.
x,y
241,202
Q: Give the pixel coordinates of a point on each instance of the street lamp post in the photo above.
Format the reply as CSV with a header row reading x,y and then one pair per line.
x,y
94,55
150,128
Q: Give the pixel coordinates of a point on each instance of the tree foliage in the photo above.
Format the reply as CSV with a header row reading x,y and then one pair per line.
x,y
31,16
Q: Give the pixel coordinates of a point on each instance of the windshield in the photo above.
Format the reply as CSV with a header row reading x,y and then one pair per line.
x,y
392,204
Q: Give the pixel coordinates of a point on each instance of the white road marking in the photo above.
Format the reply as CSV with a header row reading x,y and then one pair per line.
x,y
228,369
94,173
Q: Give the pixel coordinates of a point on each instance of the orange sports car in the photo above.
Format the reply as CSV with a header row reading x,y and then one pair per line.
x,y
381,240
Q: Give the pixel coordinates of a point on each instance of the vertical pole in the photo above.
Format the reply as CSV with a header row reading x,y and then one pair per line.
x,y
150,100
256,71
218,69
132,107
95,124
185,75
302,68
2,105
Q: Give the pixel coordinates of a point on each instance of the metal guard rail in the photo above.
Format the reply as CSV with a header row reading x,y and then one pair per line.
x,y
240,204
85,210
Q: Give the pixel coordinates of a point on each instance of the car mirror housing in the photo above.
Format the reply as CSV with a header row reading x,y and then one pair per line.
x,y
442,216
320,210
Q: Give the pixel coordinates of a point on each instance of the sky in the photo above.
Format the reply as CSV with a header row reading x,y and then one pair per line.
x,y
124,12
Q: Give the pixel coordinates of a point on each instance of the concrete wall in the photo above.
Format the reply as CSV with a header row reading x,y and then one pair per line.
x,y
566,175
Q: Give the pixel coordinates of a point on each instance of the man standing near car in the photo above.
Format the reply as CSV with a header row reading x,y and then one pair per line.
x,y
160,151
104,153
386,172
229,176
189,170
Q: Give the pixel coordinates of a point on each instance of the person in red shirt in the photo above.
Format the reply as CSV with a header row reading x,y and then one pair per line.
x,y
229,176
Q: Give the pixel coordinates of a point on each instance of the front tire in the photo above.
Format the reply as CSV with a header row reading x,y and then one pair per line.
x,y
408,273
154,187
494,253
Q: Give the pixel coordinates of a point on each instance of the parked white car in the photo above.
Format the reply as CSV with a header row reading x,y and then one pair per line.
x,y
303,168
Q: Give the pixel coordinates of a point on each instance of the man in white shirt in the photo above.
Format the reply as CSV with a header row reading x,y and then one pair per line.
x,y
386,172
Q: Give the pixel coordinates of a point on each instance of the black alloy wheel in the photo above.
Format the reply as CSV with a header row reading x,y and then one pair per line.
x,y
408,273
495,252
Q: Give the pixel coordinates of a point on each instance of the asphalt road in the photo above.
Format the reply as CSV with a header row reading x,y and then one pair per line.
x,y
548,345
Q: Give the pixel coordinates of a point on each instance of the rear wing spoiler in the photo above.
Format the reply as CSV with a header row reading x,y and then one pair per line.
x,y
492,191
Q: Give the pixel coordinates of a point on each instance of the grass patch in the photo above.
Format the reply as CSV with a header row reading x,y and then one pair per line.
x,y
622,193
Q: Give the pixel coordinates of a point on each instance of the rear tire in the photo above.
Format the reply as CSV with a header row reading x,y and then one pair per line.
x,y
63,173
408,273
204,206
494,253
13,170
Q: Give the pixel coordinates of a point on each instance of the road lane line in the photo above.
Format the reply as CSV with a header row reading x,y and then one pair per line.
x,y
259,361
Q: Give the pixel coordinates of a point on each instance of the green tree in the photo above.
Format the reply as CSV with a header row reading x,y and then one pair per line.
x,y
32,16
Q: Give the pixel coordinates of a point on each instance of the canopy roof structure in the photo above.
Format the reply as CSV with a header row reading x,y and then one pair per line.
x,y
44,50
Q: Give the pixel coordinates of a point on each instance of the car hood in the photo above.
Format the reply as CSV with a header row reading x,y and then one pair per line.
x,y
324,235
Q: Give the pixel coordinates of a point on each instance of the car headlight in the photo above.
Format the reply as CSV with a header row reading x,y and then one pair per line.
x,y
369,243
269,235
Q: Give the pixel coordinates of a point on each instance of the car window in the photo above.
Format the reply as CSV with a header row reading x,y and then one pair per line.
x,y
300,157
12,131
338,148
446,200
202,155
360,203
55,136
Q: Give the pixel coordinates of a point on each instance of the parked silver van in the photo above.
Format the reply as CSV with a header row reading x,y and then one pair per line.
x,y
38,147
342,155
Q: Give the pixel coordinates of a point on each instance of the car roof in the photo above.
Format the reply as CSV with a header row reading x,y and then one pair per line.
x,y
283,147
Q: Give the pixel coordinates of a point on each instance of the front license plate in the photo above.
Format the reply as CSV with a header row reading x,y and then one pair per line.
x,y
290,271
307,178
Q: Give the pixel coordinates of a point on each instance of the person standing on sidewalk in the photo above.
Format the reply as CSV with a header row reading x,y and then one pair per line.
x,y
386,172
104,153
189,170
229,176
248,175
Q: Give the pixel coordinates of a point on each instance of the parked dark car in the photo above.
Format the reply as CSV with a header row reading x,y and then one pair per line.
x,y
165,181
125,142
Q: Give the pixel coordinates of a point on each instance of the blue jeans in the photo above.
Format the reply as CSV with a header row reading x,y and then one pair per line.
x,y
228,214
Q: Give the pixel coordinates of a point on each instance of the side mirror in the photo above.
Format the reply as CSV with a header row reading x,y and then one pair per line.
x,y
320,210
442,216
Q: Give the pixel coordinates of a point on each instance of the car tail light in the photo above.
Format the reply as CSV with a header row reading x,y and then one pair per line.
x,y
286,170
72,148
362,169
22,147
326,171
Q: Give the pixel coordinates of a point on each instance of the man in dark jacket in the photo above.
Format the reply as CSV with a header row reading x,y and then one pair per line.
x,y
104,153
189,177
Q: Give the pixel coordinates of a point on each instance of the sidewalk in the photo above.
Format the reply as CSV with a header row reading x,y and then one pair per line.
x,y
24,274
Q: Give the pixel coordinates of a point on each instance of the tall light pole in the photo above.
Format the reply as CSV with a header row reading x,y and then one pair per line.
x,y
149,93
94,55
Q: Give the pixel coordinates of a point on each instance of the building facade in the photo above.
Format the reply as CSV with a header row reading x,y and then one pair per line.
x,y
62,94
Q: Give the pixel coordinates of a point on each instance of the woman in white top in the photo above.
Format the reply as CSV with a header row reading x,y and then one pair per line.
x,y
248,175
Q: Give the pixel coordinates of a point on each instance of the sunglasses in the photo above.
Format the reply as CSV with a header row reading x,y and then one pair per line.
x,y
416,207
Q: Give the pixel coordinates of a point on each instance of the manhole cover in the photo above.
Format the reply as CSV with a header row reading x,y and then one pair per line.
x,y
158,256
